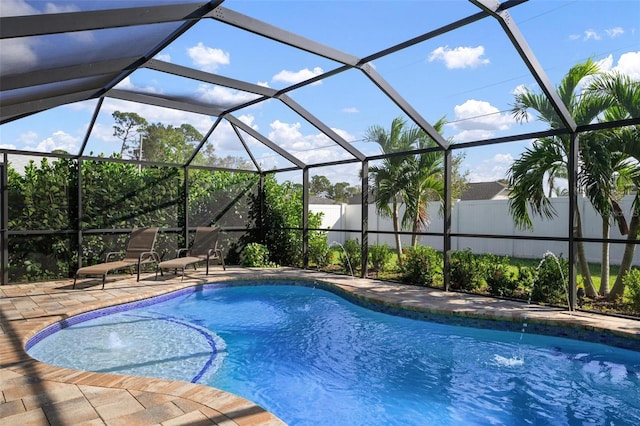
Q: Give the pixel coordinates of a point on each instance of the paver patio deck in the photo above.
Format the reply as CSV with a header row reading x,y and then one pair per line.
x,y
34,393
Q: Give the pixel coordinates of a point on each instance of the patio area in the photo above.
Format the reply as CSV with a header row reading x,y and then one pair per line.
x,y
34,393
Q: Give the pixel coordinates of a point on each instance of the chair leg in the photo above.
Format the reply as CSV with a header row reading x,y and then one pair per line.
x,y
104,278
75,277
224,268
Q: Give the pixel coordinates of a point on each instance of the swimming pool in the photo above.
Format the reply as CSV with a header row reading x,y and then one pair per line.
x,y
311,357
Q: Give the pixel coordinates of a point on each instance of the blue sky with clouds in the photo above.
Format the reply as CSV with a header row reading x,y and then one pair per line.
x,y
469,76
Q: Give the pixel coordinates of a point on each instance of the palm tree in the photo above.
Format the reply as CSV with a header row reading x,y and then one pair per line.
x,y
390,179
558,172
427,181
624,95
527,174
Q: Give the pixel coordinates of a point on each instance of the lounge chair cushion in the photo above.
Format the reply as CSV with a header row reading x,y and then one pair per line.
x,y
179,262
104,268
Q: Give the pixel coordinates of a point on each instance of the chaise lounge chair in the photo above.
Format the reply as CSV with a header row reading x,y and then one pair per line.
x,y
204,249
140,251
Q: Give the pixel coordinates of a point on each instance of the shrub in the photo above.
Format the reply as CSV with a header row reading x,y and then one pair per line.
x,y
350,256
501,278
318,248
379,256
549,284
256,255
525,280
421,264
632,282
276,221
466,270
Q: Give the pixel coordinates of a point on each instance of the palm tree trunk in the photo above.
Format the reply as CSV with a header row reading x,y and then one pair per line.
x,y
396,231
589,288
604,267
627,258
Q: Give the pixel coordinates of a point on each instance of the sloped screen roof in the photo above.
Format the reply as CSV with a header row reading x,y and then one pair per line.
x,y
287,84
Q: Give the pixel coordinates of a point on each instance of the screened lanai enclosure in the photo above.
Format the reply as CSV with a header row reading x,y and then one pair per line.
x,y
178,114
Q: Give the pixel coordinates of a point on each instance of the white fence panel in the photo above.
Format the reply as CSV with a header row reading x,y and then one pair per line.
x,y
484,217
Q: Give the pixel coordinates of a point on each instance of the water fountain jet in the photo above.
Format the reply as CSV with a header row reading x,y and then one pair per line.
x,y
335,243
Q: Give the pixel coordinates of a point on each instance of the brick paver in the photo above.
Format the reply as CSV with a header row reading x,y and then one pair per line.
x,y
33,393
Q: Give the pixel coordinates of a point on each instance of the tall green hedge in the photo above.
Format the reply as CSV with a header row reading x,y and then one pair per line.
x,y
115,196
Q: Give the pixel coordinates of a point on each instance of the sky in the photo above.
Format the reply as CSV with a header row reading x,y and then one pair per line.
x,y
468,76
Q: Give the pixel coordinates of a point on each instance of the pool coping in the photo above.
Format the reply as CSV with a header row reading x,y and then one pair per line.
x,y
35,390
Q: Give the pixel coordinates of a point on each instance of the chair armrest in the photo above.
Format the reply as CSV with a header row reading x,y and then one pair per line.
x,y
112,253
213,252
179,252
149,255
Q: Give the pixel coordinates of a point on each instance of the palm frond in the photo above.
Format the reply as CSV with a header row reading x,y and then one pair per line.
x,y
526,179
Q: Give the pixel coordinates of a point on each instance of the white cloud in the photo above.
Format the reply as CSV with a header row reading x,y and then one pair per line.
x,y
248,119
58,140
224,138
293,77
520,89
223,96
350,110
28,138
614,32
344,134
479,120
460,57
154,114
605,64
628,63
17,55
473,135
16,8
127,84
163,57
103,132
503,159
60,8
491,169
208,58
312,148
591,35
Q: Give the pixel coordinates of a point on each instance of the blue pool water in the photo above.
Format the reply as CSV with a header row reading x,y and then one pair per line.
x,y
313,358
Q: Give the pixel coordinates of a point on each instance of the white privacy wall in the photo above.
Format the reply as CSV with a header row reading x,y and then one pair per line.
x,y
483,217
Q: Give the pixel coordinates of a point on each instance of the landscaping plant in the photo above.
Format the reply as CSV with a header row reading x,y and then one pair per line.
x,y
501,277
421,264
256,255
550,282
379,256
466,270
632,283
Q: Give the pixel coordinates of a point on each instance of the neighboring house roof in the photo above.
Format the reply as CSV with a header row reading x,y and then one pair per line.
x,y
357,198
485,191
314,199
